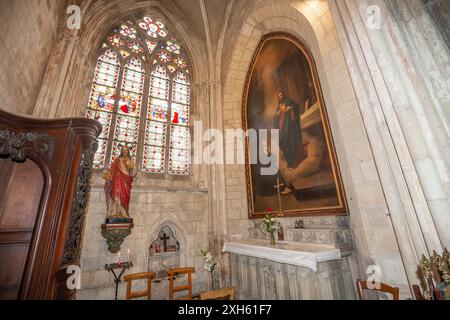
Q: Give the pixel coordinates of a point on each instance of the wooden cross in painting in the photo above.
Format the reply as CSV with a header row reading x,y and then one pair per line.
x,y
278,185
164,238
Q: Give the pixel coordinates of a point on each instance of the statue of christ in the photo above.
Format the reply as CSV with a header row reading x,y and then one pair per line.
x,y
118,185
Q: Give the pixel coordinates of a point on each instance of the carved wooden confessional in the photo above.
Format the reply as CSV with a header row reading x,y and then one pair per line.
x,y
45,167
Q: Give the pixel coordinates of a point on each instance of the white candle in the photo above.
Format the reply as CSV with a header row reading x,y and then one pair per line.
x,y
128,255
119,257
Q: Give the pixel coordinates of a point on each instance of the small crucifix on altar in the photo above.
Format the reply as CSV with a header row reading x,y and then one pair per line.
x,y
164,238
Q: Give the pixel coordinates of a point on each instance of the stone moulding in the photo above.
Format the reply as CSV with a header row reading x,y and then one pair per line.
x,y
338,237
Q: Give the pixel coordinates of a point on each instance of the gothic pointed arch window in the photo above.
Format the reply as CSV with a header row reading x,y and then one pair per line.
x,y
141,95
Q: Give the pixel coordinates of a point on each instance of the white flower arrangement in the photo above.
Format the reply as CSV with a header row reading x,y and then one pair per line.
x,y
210,261
270,225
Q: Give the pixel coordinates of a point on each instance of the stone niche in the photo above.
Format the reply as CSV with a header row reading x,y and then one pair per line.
x,y
164,252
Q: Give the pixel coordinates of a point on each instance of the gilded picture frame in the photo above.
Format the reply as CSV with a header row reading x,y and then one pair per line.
x,y
320,192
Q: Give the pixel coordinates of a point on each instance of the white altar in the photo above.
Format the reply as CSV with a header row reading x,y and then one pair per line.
x,y
288,270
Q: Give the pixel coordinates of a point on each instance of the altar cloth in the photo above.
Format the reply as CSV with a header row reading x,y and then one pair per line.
x,y
294,253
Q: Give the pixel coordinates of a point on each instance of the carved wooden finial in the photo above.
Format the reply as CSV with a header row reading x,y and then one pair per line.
x,y
435,261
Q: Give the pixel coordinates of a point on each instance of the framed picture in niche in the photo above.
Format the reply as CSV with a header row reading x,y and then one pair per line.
x,y
283,92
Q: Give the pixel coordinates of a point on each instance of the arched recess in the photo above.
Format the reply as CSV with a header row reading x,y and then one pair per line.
x,y
313,24
179,233
141,96
76,52
67,83
241,42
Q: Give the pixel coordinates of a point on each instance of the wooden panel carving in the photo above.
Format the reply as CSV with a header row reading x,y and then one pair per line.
x,y
41,235
17,145
73,240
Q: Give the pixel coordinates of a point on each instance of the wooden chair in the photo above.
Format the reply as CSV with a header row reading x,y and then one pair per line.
x,y
362,285
139,276
172,289
221,294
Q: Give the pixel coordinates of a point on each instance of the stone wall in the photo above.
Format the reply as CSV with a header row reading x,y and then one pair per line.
x,y
152,206
312,22
386,100
29,33
184,202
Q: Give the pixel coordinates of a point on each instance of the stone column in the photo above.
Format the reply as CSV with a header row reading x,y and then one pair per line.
x,y
392,100
65,88
49,99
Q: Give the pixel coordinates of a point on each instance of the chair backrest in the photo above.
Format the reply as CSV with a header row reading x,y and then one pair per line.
x,y
221,294
362,285
139,276
172,288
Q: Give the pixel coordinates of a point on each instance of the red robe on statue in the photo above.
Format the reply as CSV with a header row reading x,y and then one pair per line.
x,y
120,184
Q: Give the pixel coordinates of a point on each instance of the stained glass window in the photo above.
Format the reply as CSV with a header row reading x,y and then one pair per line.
x,y
161,104
129,108
180,62
115,41
102,99
154,27
180,149
154,157
128,31
173,47
151,45
119,97
135,47
164,56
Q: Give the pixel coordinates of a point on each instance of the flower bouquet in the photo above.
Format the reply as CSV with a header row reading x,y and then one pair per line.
x,y
270,225
210,263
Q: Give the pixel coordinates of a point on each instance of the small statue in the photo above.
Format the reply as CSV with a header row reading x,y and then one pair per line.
x,y
280,232
118,183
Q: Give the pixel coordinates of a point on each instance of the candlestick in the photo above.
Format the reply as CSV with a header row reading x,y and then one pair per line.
x,y
118,277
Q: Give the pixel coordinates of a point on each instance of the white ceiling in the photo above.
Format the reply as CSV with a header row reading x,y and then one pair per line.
x,y
215,10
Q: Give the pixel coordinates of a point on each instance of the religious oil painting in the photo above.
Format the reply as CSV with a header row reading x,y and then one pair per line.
x,y
283,92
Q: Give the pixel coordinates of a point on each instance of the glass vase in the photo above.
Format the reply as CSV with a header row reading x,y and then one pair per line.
x,y
212,281
272,238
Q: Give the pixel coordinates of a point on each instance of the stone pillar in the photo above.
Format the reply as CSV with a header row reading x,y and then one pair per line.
x,y
65,88
440,11
49,99
398,115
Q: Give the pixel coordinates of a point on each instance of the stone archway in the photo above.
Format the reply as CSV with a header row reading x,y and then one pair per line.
x,y
308,27
178,233
66,85
313,23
